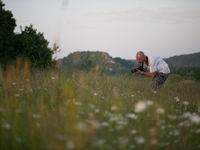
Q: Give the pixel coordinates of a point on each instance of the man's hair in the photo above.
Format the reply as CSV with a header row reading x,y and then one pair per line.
x,y
140,53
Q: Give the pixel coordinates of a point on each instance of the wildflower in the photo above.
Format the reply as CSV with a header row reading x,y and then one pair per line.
x,y
18,139
53,78
113,108
160,110
173,117
95,94
14,83
95,123
2,109
132,95
17,95
6,126
131,115
78,103
197,131
96,110
176,99
36,116
154,141
70,145
99,142
187,114
139,140
140,106
195,119
185,103
21,89
133,131
60,137
18,110
81,126
38,124
91,106
104,124
149,103
175,132
123,141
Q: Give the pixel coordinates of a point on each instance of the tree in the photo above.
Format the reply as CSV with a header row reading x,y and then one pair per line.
x,y
7,26
32,45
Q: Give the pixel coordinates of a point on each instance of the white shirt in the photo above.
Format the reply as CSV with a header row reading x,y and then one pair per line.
x,y
157,64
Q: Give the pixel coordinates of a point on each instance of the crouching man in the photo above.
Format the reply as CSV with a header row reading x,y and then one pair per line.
x,y
158,68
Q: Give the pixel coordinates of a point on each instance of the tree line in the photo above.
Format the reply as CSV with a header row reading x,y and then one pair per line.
x,y
28,44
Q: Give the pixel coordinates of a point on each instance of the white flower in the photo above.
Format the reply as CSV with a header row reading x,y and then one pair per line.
x,y
132,95
133,131
187,114
60,137
18,110
53,78
91,106
36,116
38,124
195,119
185,103
81,126
160,110
139,140
96,110
70,145
140,106
2,109
113,108
6,125
13,83
78,103
18,139
95,94
149,103
100,142
17,95
176,99
95,123
104,124
131,115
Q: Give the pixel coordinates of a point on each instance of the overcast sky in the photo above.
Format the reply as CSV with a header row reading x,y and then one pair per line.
x,y
119,27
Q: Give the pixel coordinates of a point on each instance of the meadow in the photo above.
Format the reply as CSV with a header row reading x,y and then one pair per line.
x,y
86,111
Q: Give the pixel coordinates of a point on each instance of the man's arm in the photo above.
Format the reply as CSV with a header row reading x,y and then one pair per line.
x,y
148,74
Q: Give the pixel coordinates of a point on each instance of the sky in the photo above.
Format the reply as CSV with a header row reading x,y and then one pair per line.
x,y
119,27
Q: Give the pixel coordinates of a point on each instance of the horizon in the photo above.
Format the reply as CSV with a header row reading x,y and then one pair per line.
x,y
164,28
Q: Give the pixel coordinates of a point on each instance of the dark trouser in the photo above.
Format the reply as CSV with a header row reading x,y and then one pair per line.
x,y
158,79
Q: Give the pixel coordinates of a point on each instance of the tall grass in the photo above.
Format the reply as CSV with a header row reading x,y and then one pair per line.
x,y
50,110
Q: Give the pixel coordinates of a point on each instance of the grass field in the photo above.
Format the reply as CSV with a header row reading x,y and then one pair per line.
x,y
84,111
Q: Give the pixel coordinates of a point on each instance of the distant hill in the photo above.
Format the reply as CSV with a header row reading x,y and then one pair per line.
x,y
89,60
190,60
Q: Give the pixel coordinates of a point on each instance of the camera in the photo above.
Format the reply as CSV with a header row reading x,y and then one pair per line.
x,y
138,68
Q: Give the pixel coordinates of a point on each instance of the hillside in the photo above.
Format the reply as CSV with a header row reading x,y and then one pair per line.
x,y
190,60
88,60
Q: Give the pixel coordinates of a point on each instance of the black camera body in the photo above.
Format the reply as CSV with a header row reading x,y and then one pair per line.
x,y
138,68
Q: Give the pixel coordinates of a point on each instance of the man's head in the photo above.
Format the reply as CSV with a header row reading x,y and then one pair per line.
x,y
140,57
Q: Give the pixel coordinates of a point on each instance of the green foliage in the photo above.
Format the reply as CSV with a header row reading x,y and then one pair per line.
x,y
197,74
28,44
32,45
7,25
182,61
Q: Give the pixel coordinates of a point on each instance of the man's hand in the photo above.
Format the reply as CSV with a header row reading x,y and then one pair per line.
x,y
139,72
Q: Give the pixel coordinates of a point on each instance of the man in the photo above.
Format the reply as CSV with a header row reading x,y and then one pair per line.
x,y
159,69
